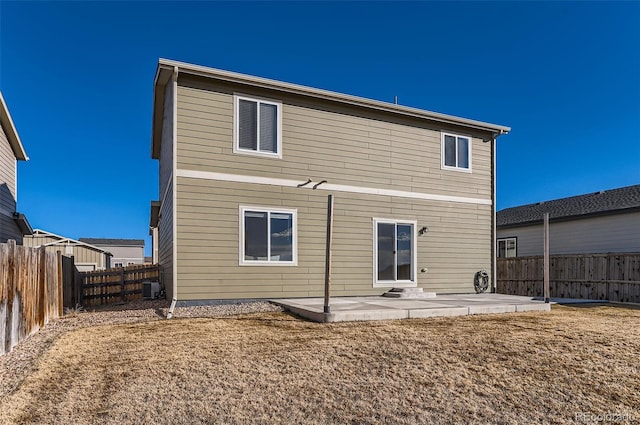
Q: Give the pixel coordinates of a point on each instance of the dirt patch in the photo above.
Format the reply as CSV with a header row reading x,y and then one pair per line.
x,y
274,368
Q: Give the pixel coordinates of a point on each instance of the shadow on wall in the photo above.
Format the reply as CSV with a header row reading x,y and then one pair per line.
x,y
8,227
7,201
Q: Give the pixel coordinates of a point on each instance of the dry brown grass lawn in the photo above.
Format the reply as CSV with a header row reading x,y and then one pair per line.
x,y
272,368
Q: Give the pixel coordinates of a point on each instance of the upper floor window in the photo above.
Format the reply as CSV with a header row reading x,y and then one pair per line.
x,y
507,247
456,152
257,127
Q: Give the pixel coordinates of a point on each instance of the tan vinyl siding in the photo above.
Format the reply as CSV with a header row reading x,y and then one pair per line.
x,y
167,181
7,175
611,233
323,141
166,148
456,246
86,256
165,241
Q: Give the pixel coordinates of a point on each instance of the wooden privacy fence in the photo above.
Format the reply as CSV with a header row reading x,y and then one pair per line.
x,y
116,285
71,283
30,291
612,277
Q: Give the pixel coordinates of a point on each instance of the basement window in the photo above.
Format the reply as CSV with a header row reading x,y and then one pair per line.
x,y
257,127
267,236
456,152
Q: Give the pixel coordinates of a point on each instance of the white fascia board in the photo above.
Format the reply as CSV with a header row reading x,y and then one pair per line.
x,y
10,130
260,82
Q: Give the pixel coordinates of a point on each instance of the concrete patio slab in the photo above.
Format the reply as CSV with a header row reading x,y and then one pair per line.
x,y
382,308
438,312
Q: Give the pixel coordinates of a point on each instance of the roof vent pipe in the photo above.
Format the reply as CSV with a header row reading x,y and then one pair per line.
x,y
395,100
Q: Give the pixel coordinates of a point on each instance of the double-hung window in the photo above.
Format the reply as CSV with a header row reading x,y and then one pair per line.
x,y
394,253
257,127
456,152
267,236
507,247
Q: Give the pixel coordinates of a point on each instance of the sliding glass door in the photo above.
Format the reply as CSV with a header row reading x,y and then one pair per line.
x,y
395,252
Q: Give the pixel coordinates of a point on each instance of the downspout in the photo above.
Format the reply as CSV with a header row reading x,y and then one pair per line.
x,y
174,160
494,241
494,227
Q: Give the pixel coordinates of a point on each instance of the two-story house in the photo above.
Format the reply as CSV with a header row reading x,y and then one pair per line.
x,y
245,167
125,252
13,225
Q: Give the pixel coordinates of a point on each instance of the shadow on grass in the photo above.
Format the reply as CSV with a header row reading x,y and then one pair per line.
x,y
628,306
156,305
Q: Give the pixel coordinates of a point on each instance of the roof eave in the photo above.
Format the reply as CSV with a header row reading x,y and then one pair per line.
x,y
10,130
265,83
23,224
570,217
40,232
154,214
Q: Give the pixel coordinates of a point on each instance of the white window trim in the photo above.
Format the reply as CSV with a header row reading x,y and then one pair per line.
x,y
513,238
236,127
242,261
398,283
456,168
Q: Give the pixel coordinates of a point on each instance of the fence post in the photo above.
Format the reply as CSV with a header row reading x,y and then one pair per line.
x,y
327,270
546,258
42,285
11,287
122,284
60,284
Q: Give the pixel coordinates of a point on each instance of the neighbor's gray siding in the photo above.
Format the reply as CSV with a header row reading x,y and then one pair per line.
x,y
9,230
7,174
612,233
125,253
8,227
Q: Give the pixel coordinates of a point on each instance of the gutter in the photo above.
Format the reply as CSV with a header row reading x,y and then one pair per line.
x,y
494,230
494,226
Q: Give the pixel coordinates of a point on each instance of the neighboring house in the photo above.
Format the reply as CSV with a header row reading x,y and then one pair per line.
x,y
86,257
153,230
600,222
245,167
13,225
125,252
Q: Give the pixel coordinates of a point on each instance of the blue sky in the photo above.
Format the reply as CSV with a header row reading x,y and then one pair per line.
x,y
78,80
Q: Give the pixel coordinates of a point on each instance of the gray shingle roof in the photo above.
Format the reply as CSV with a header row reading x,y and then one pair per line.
x,y
603,202
112,242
